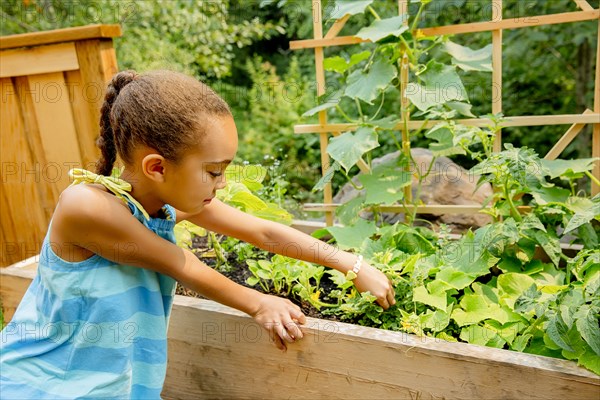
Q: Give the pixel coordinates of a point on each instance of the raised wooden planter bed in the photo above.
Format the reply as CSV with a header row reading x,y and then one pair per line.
x,y
219,352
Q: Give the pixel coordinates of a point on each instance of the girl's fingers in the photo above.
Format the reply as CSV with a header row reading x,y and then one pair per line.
x,y
293,330
275,338
298,315
391,297
384,303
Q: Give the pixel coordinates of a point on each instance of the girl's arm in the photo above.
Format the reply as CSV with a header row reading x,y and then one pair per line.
x,y
277,238
92,220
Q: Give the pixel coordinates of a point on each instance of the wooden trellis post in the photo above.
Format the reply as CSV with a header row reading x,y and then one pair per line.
x,y
496,26
318,33
497,69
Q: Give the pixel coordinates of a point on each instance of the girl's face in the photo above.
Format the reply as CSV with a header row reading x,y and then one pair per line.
x,y
193,182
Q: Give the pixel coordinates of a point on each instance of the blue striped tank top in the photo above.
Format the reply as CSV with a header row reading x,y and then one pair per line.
x,y
90,329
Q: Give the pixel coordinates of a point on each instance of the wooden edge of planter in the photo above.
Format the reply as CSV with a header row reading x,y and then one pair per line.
x,y
216,351
97,31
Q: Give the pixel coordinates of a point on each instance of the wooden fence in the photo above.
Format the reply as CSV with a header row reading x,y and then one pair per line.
x,y
52,86
496,26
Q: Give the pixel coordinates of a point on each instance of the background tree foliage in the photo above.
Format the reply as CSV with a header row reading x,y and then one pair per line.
x,y
241,48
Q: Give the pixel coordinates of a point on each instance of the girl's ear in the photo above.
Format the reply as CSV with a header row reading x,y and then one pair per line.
x,y
153,166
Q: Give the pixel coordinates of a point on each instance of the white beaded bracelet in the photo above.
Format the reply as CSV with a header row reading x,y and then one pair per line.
x,y
357,264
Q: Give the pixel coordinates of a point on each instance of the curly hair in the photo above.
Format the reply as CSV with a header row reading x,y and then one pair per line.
x,y
163,110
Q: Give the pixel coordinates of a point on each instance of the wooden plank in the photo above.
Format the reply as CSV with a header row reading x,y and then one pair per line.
x,y
60,35
85,117
338,360
315,43
403,9
596,131
405,113
47,191
98,64
38,60
320,76
497,70
513,23
337,27
15,279
565,140
434,209
19,180
214,352
529,120
56,127
584,5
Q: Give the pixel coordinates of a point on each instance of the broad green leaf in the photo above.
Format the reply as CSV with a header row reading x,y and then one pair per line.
x,y
558,332
546,195
513,285
531,221
383,28
436,320
444,145
328,100
588,236
456,279
349,147
521,342
467,256
385,183
275,213
249,175
587,325
352,237
475,308
560,167
327,177
510,264
508,331
348,7
527,301
252,280
550,244
461,108
590,361
442,85
583,217
367,86
358,57
437,300
476,334
248,201
468,59
446,337
388,122
337,64
348,213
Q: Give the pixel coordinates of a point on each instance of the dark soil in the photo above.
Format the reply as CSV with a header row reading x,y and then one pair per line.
x,y
238,272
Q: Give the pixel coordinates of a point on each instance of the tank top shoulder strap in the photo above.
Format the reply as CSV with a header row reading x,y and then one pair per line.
x,y
119,187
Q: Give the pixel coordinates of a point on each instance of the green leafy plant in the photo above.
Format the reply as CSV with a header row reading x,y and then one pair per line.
x,y
243,183
399,62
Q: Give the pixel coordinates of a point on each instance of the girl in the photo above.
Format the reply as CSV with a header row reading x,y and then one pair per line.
x,y
94,321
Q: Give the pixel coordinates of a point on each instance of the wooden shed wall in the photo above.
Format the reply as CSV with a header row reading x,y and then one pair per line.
x,y
52,85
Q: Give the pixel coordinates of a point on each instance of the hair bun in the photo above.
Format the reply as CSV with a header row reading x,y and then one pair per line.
x,y
122,79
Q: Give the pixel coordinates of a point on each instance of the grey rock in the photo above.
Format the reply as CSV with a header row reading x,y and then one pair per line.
x,y
447,184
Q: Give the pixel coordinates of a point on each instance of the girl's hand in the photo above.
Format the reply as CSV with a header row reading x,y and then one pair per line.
x,y
373,280
280,317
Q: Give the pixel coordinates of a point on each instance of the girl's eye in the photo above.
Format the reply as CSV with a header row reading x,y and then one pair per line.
x,y
216,174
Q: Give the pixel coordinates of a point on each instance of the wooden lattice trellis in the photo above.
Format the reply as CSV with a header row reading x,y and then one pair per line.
x,y
496,25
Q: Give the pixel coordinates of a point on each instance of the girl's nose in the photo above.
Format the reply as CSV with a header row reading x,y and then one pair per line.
x,y
222,182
